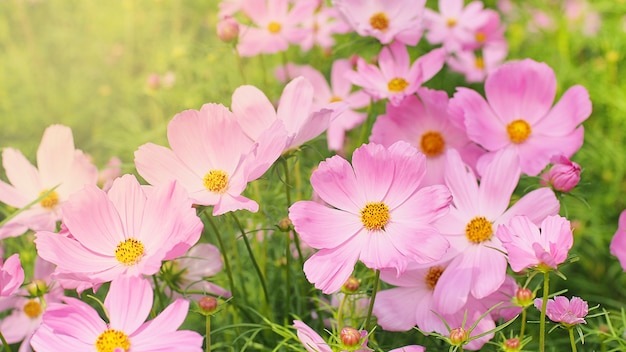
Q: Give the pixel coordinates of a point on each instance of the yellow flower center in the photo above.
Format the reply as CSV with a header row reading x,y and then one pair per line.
x,y
433,276
111,340
451,22
129,252
379,21
397,84
479,63
216,181
274,27
50,201
432,143
375,215
518,130
480,37
479,229
32,309
335,99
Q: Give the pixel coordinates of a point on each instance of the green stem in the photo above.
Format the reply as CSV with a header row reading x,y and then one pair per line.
x,y
340,312
521,334
229,272
208,333
544,305
368,322
158,292
5,343
240,65
252,258
287,275
572,340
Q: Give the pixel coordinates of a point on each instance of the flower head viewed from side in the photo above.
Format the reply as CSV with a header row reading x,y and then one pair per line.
x,y
565,311
76,326
59,165
618,243
11,275
378,214
564,174
125,232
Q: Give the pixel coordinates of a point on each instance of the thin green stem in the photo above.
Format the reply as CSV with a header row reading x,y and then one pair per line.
x,y
287,275
208,333
544,305
572,340
240,65
340,312
368,321
229,272
252,258
521,334
5,343
158,292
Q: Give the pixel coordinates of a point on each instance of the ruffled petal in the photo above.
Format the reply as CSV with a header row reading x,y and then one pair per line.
x,y
323,227
329,269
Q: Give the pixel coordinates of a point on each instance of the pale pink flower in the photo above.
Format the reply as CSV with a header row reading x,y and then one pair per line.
x,y
490,33
395,77
564,174
478,266
618,243
11,275
296,111
387,21
339,90
229,7
211,157
378,213
455,25
76,326
275,26
125,232
562,310
476,67
321,26
518,114
425,123
58,164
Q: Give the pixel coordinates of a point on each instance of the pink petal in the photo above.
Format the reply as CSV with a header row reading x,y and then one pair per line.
x,y
498,182
430,64
392,306
253,110
334,181
573,108
323,227
489,269
295,104
129,201
329,269
536,205
55,155
21,173
128,303
462,183
159,165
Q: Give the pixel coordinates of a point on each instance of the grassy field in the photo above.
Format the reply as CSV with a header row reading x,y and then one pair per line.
x,y
87,64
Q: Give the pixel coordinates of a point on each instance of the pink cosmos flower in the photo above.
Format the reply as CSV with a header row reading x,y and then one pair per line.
x,y
518,115
339,90
59,164
321,26
387,21
425,123
490,33
618,243
378,213
11,275
564,174
476,66
275,25
76,326
211,157
530,246
125,232
394,77
454,26
296,110
478,266
565,311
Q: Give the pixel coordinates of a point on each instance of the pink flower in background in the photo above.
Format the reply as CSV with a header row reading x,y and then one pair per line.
x,y
58,164
455,25
564,174
491,33
532,246
378,213
321,26
111,171
11,275
478,266
618,243
424,122
518,114
76,326
125,232
296,110
395,77
387,21
475,66
565,311
211,157
275,25
339,90
229,7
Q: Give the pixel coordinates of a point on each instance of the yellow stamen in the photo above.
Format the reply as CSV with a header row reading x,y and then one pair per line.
x,y
519,131
335,99
432,143
111,340
375,215
480,37
216,181
50,201
479,229
397,85
433,276
451,22
33,309
379,21
129,252
479,63
274,27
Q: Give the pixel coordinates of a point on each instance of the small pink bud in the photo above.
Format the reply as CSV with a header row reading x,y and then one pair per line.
x,y
352,284
285,224
227,29
524,297
153,81
512,345
350,336
458,336
564,174
207,304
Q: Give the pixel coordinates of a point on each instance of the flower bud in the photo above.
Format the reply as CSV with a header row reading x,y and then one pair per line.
x,y
524,297
458,336
285,224
563,176
207,304
227,29
350,336
37,288
512,345
352,284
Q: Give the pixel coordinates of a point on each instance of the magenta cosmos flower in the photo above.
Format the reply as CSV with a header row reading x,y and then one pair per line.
x,y
275,25
395,77
529,246
618,243
565,311
58,164
76,326
478,265
125,232
425,123
518,114
455,26
377,213
399,20
11,275
211,157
